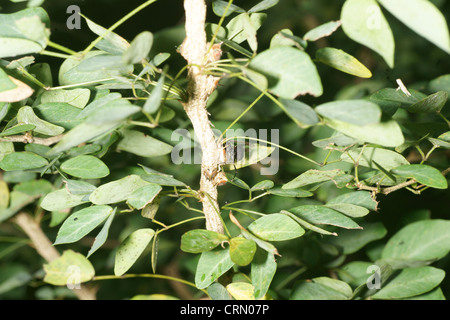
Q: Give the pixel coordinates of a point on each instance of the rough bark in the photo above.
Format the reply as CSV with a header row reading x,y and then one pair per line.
x,y
200,86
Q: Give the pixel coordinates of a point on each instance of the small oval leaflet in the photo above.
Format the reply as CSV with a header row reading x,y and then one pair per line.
x,y
130,250
276,227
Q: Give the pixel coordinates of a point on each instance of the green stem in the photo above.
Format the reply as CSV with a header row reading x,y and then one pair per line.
x,y
56,54
80,84
181,222
147,275
290,278
278,146
61,48
222,18
30,77
226,207
117,24
444,118
142,124
271,97
242,114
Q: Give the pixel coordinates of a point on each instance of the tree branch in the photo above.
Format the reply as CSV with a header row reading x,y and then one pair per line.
x,y
45,248
200,87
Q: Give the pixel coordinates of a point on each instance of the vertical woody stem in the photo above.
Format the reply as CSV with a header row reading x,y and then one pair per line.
x,y
200,86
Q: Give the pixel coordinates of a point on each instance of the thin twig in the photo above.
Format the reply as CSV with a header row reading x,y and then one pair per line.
x,y
26,139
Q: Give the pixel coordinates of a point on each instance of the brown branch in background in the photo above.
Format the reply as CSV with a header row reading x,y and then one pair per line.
x,y
45,248
26,138
200,86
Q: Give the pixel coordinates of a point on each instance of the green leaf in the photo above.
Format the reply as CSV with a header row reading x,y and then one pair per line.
x,y
290,72
218,292
303,115
61,199
23,32
149,211
263,268
17,201
307,225
330,289
117,191
386,133
241,290
419,243
349,209
154,101
162,179
100,239
314,176
350,241
435,294
199,240
59,113
285,37
422,173
85,167
34,188
18,129
22,161
242,250
290,193
75,97
367,156
219,7
363,22
96,66
142,145
276,227
411,282
244,26
6,147
355,273
116,110
357,112
263,5
392,98
130,250
26,115
267,246
211,265
431,104
441,83
144,195
324,30
4,195
422,17
70,269
82,133
342,61
317,214
262,185
359,198
111,42
139,48
82,222
98,103
5,82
